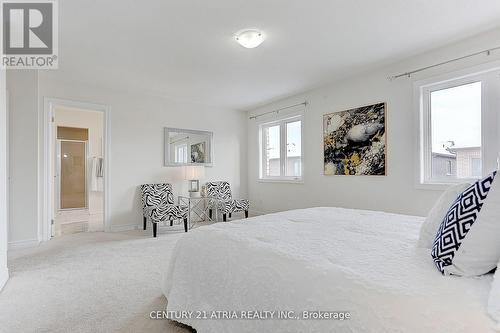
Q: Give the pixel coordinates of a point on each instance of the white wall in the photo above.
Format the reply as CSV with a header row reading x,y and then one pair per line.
x,y
397,191
136,156
23,154
4,274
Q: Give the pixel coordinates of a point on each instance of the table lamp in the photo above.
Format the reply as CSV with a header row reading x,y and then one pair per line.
x,y
193,174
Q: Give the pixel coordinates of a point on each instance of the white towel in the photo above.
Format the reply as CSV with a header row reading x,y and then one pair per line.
x,y
97,179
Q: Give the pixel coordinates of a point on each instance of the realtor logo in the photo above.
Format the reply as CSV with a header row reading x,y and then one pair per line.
x,y
29,38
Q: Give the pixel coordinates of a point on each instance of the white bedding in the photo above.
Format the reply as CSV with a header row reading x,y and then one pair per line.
x,y
331,259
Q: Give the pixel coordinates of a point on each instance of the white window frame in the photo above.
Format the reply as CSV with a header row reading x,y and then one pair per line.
x,y
472,159
282,122
489,75
449,168
181,146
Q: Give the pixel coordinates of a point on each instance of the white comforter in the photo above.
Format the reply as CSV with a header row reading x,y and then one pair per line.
x,y
328,259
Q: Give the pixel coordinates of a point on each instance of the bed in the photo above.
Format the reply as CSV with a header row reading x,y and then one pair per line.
x,y
298,263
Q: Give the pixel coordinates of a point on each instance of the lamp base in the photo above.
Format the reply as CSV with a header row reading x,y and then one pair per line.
x,y
194,188
193,185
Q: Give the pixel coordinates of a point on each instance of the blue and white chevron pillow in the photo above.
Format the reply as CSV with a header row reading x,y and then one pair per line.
x,y
468,241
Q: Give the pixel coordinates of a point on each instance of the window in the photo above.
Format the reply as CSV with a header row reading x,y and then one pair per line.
x,y
449,170
281,149
475,165
293,149
181,152
458,128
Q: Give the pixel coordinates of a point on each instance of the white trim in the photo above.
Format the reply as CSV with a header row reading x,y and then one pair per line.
x,y
281,180
126,227
422,121
435,186
8,201
71,222
252,213
23,244
45,194
4,276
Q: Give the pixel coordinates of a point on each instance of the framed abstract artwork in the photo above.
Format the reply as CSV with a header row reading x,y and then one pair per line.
x,y
198,153
354,141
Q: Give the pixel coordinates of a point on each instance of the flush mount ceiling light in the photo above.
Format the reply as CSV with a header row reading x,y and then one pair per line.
x,y
249,38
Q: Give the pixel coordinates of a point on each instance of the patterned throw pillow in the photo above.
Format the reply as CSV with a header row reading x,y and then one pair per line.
x,y
436,215
457,223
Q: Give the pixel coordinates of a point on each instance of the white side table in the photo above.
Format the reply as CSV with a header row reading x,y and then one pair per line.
x,y
197,209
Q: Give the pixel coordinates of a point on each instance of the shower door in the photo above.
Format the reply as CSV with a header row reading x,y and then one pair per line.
x,y
72,174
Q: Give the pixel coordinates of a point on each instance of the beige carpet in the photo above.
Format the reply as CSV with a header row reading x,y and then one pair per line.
x,y
89,282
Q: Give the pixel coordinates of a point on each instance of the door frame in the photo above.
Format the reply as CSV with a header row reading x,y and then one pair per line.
x,y
47,131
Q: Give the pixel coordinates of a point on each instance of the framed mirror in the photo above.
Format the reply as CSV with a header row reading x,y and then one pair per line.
x,y
188,147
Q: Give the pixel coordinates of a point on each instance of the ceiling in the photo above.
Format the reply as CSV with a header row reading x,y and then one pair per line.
x,y
183,49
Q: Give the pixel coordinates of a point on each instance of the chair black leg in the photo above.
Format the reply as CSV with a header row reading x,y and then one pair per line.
x,y
186,225
144,218
210,213
246,214
230,215
171,222
224,218
155,225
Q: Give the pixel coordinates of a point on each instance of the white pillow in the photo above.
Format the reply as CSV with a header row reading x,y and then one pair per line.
x,y
494,300
433,221
480,250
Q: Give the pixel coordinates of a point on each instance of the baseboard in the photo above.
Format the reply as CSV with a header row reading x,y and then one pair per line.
x,y
4,276
126,227
22,244
252,212
71,222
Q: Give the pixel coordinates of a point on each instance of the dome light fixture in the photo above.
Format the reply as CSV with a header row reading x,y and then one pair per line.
x,y
249,38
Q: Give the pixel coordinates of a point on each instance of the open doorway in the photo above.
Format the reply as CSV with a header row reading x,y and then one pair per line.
x,y
78,170
75,187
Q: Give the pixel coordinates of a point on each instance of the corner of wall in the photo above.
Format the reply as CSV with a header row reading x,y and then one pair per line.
x,y
23,155
4,276
4,273
244,156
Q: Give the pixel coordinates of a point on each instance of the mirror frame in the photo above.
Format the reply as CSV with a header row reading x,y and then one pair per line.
x,y
166,137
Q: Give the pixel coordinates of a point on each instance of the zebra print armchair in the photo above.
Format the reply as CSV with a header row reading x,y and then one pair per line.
x,y
158,206
221,199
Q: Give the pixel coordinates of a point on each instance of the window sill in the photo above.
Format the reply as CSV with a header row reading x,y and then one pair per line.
x,y
281,180
441,186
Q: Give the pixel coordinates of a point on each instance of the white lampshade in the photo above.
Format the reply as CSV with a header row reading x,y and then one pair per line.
x,y
194,172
